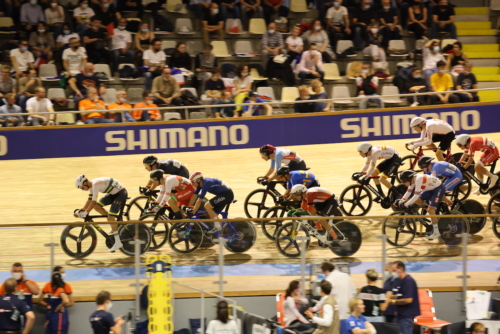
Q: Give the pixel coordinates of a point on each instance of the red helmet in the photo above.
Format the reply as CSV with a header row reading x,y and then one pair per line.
x,y
195,176
267,149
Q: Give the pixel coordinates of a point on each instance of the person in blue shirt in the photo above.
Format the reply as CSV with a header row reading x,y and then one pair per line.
x,y
223,196
390,276
101,320
296,177
251,109
357,323
12,308
442,169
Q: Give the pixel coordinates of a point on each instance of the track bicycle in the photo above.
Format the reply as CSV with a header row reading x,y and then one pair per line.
x,y
493,207
347,243
270,228
79,241
483,187
260,200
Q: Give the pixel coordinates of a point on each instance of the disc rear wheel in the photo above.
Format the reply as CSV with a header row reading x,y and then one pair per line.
x,y
240,236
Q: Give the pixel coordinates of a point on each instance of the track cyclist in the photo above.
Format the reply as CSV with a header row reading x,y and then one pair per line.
x,y
442,169
223,195
389,166
279,156
432,131
427,187
295,177
116,196
184,192
470,145
169,166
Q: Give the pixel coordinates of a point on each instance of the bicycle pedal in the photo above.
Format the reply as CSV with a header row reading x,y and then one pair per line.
x,y
377,199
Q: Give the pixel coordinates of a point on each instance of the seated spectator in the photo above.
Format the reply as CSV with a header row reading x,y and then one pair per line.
x,y
205,64
82,81
388,18
319,94
101,320
467,80
294,43
42,42
248,10
94,108
318,36
256,110
146,115
63,40
106,12
242,85
198,7
222,324
31,14
180,58
367,84
228,9
56,296
10,303
225,112
431,55
374,306
214,87
7,84
74,58
166,90
9,121
54,16
443,17
121,103
155,59
416,84
272,44
27,87
362,17
121,44
95,40
302,108
357,320
456,60
418,19
131,5
272,7
337,20
311,64
40,104
293,299
213,22
142,41
375,42
477,328
82,14
24,285
328,307
21,58
442,82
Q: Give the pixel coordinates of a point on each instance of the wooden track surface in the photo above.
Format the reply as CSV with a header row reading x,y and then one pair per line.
x,y
42,191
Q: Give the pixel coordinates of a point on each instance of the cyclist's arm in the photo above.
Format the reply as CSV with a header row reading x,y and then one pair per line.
x,y
416,194
201,192
197,205
408,193
469,161
367,164
89,206
163,195
422,137
287,193
426,142
372,162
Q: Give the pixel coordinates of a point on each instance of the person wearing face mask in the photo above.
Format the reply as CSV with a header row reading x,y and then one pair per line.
x,y
146,115
373,297
27,87
63,40
25,288
317,35
205,63
9,304
82,81
337,20
311,64
442,82
154,58
388,18
74,58
121,103
93,108
212,22
21,58
56,296
42,42
375,44
362,17
31,14
213,89
10,121
54,16
467,80
142,40
224,112
304,95
389,277
416,84
95,40
243,84
418,19
272,44
121,44
367,84
82,14
431,54
101,320
443,18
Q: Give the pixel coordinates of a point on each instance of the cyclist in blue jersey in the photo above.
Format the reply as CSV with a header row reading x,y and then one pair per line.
x,y
295,177
251,109
278,157
442,169
223,195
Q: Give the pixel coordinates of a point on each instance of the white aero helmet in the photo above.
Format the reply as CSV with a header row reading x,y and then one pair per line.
x,y
463,139
80,180
417,121
195,176
364,147
298,188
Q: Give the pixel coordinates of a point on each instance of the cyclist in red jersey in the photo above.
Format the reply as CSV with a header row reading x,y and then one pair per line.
x,y
470,145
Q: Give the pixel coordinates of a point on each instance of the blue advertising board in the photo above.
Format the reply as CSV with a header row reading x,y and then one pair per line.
x,y
81,141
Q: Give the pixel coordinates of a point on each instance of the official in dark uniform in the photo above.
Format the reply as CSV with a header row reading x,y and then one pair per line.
x,y
101,320
11,310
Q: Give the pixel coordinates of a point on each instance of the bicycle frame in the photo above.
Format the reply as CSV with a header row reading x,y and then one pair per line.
x,y
483,186
313,231
420,154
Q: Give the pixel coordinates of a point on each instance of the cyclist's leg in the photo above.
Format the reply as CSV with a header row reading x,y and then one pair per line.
x,y
217,204
451,184
436,196
329,208
487,158
173,202
444,144
117,201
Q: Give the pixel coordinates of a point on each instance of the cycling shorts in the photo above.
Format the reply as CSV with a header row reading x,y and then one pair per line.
x,y
389,166
330,207
443,140
220,201
488,157
454,181
434,196
117,201
183,196
294,165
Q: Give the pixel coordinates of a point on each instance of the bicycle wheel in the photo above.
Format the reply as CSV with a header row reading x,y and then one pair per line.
x,y
159,231
286,242
450,228
240,236
136,208
473,207
79,243
205,242
270,228
493,205
129,232
495,190
355,196
406,164
400,231
496,227
185,238
258,202
349,239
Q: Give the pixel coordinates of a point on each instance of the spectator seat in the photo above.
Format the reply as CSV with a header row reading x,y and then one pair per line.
x,y
194,47
447,41
172,5
135,95
340,92
280,297
255,75
127,80
243,47
289,94
171,115
257,26
268,91
6,22
398,44
298,6
391,90
110,96
53,93
331,72
198,115
105,69
343,45
191,89
65,119
230,23
427,319
48,71
184,22
220,49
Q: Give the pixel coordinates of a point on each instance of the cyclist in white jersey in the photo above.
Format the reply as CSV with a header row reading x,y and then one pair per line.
x,y
432,131
116,196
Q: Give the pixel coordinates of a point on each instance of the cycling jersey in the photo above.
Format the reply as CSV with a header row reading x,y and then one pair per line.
x,y
315,195
212,186
284,156
378,152
105,185
173,167
452,174
422,183
433,127
485,145
300,177
172,182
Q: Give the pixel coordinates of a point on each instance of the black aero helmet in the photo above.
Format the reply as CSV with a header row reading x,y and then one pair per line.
x,y
150,160
156,175
406,175
285,170
424,161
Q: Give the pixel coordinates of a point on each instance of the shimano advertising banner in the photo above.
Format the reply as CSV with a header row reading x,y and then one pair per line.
x,y
79,141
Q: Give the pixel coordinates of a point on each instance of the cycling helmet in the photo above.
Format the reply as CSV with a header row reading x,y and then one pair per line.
x,y
298,188
150,160
196,176
156,175
285,170
416,121
267,149
463,139
364,147
424,161
80,180
406,175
